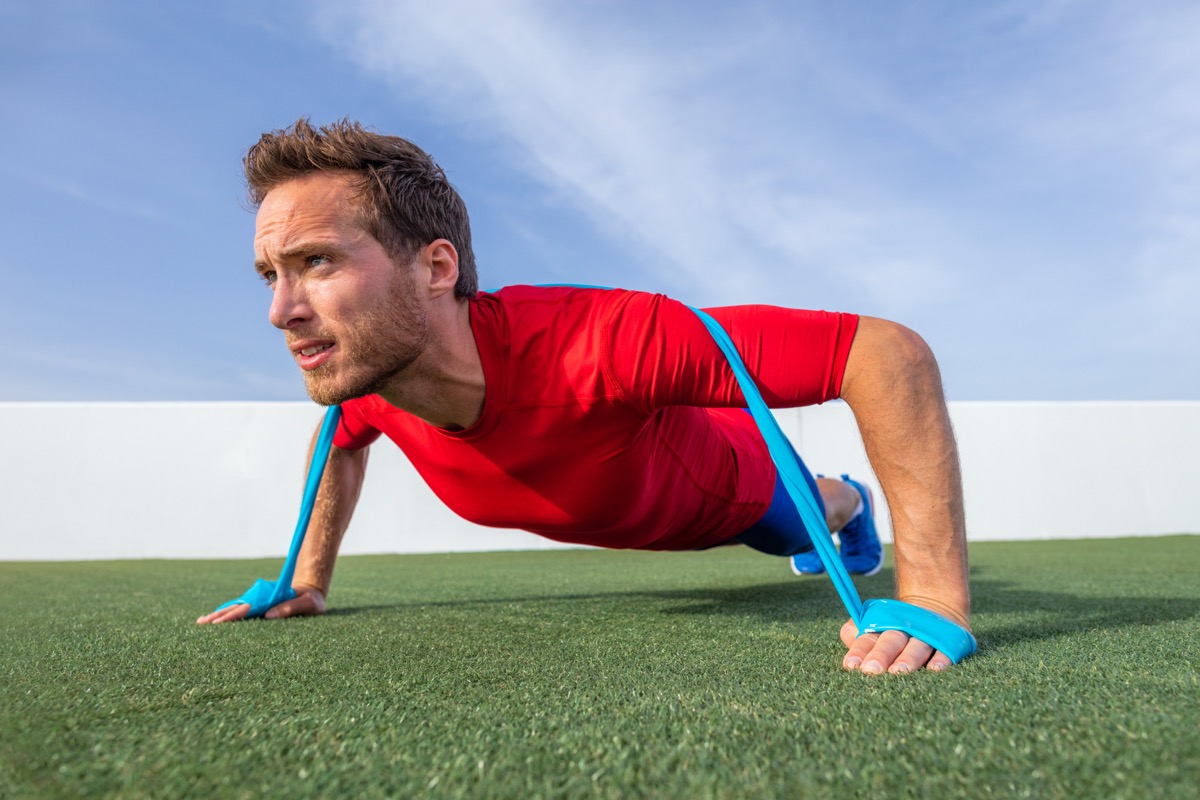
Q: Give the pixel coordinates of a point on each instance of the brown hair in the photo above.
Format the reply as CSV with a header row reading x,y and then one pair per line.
x,y
405,199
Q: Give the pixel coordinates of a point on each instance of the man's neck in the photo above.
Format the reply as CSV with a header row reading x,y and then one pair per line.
x,y
445,385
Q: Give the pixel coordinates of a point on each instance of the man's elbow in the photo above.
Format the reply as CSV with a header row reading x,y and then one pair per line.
x,y
910,349
889,353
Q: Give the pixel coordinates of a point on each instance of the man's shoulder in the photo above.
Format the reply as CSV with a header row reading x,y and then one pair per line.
x,y
553,344
558,310
537,306
553,293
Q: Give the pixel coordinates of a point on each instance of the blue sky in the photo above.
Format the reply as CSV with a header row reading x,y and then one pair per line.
x,y
1018,181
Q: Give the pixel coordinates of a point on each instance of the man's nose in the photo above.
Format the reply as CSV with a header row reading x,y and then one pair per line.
x,y
289,305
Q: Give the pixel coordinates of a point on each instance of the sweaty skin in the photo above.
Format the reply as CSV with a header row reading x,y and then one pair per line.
x,y
327,274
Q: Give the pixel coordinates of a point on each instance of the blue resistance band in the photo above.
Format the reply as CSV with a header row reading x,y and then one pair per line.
x,y
264,595
873,616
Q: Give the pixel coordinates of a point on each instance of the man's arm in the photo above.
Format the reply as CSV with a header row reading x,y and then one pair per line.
x,y
893,385
336,499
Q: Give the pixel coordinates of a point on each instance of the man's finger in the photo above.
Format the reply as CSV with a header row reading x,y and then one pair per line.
x,y
939,662
297,607
889,645
859,648
227,614
849,633
912,657
307,603
232,613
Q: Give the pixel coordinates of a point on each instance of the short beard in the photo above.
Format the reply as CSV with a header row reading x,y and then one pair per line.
x,y
379,344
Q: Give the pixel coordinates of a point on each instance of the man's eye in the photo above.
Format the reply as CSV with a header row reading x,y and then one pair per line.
x,y
316,261
269,277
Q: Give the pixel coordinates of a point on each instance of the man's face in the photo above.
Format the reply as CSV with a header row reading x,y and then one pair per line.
x,y
352,317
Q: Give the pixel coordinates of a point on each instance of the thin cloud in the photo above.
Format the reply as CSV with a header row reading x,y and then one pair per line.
x,y
111,204
647,140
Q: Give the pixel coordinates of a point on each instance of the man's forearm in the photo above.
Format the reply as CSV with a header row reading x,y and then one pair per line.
x,y
336,500
893,385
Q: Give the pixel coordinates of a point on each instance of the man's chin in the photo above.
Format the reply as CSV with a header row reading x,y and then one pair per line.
x,y
333,383
332,393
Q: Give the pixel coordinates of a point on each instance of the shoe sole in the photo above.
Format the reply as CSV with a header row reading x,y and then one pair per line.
x,y
795,571
875,571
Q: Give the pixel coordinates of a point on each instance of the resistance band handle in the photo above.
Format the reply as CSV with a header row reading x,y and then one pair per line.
x,y
264,594
943,634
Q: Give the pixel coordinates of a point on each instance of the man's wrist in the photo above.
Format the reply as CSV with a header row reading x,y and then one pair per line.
x,y
959,613
300,587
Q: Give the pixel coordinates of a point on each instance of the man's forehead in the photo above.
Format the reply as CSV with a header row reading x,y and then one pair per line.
x,y
315,191
306,206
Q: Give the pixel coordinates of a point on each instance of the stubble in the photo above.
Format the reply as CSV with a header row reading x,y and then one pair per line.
x,y
377,346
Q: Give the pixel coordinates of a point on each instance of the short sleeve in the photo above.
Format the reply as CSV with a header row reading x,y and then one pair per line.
x,y
660,354
354,432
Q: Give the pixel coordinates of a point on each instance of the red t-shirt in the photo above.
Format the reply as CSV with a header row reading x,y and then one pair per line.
x,y
611,417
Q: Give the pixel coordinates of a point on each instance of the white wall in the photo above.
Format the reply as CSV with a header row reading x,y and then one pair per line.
x,y
222,480
1050,470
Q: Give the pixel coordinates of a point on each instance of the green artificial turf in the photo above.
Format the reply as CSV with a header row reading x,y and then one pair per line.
x,y
598,674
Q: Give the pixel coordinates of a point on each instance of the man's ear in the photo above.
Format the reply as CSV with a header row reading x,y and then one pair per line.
x,y
440,258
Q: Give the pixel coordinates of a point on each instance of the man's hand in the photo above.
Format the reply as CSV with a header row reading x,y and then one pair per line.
x,y
891,651
308,602
335,503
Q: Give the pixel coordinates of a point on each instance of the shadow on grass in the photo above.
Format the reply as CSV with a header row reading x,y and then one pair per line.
x,y
783,601
1050,615
811,598
1044,614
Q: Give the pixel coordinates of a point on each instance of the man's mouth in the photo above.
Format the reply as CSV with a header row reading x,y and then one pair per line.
x,y
312,354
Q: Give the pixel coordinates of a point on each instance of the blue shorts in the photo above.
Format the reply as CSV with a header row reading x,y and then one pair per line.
x,y
781,531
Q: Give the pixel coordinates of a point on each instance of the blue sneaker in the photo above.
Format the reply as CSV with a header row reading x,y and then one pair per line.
x,y
861,551
807,563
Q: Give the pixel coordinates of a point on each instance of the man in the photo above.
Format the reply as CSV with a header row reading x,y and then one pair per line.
x,y
603,417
